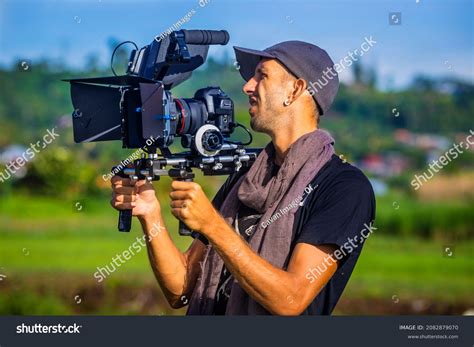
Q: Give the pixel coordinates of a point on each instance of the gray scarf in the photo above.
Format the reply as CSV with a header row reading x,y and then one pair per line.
x,y
277,198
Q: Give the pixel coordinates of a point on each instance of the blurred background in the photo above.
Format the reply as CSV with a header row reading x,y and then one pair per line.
x,y
401,105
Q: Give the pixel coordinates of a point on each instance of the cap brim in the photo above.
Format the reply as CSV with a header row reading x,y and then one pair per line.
x,y
248,60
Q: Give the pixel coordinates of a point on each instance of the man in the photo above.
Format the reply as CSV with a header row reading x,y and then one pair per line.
x,y
283,237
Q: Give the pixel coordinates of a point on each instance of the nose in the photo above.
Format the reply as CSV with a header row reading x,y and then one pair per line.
x,y
249,87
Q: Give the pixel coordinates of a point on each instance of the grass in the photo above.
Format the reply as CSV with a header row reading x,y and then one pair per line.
x,y
49,251
68,240
448,220
414,268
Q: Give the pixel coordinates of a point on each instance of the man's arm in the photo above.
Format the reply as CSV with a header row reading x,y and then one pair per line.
x,y
280,292
175,271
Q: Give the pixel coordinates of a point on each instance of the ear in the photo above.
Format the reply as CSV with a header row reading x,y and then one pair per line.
x,y
299,87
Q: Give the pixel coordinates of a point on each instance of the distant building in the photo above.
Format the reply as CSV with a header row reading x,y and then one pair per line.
x,y
425,142
387,165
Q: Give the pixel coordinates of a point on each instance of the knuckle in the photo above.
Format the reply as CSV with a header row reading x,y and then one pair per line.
x,y
117,186
126,190
118,179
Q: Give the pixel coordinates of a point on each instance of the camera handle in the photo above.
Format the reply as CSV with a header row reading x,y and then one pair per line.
x,y
186,176
183,228
125,220
125,216
181,174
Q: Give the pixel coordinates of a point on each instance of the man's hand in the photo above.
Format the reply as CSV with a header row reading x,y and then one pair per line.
x,y
175,271
137,196
191,205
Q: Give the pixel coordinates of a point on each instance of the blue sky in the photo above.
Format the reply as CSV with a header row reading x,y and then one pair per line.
x,y
435,36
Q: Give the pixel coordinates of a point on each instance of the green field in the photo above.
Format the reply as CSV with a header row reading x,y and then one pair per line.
x,y
49,252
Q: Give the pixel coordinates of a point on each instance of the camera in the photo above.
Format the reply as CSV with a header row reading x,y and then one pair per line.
x,y
140,106
139,109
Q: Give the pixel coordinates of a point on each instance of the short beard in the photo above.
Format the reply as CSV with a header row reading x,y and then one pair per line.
x,y
268,122
257,125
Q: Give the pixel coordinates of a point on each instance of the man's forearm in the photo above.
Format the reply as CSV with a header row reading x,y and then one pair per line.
x,y
166,260
273,288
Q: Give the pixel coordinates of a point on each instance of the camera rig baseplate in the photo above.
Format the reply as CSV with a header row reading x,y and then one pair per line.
x,y
179,166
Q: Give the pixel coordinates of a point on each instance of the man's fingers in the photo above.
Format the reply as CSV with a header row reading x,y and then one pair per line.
x,y
184,190
141,183
179,213
127,183
118,181
124,190
122,205
125,198
183,185
179,204
180,195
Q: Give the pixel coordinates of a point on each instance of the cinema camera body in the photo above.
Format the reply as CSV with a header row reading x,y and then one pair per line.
x,y
139,109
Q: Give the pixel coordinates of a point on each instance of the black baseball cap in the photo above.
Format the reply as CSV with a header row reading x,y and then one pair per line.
x,y
302,59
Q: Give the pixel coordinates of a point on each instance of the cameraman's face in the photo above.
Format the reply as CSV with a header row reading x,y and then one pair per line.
x,y
267,90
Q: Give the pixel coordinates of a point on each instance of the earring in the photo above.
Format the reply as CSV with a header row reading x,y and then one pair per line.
x,y
286,102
